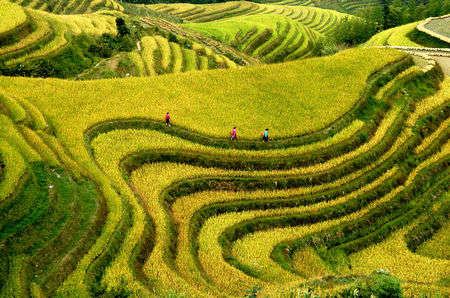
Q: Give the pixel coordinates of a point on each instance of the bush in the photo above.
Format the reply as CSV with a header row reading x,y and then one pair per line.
x,y
122,28
201,52
353,31
172,37
186,43
104,52
377,284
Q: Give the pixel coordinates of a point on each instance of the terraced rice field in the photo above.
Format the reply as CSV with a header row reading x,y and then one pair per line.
x,y
268,25
130,207
71,6
45,34
346,5
271,38
159,56
396,36
318,19
352,5
12,16
401,36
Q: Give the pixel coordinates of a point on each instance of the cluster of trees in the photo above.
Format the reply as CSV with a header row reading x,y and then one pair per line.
x,y
399,12
109,44
351,31
391,13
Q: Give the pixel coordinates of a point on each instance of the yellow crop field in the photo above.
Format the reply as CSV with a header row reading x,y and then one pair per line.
x,y
396,36
75,7
102,195
12,16
270,32
188,109
52,34
174,58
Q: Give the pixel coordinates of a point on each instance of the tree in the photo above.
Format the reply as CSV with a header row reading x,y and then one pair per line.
x,y
353,31
122,28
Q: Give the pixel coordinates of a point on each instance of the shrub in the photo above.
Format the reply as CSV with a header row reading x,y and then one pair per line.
x,y
172,37
122,28
352,31
377,284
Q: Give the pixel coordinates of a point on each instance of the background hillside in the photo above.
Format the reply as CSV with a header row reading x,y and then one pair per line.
x,y
81,39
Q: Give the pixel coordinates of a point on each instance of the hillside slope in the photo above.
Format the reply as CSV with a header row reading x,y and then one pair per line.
x,y
46,34
71,6
209,18
99,197
348,6
406,36
272,38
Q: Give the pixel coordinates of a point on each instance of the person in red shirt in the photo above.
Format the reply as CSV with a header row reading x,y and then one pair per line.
x,y
233,134
168,120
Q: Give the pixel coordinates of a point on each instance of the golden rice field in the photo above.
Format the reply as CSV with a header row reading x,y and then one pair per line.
x,y
271,38
160,56
273,32
98,197
11,15
396,36
44,34
343,5
71,6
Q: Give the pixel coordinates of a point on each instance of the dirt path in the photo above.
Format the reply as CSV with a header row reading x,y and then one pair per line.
x,y
444,62
440,55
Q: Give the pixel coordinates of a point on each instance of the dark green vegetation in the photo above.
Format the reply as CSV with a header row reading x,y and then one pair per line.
x,y
427,40
399,12
380,285
84,51
45,228
70,62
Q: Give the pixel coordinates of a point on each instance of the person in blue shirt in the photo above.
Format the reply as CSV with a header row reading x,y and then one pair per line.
x,y
265,136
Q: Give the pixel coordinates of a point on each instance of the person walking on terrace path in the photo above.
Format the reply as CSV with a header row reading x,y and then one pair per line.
x,y
168,120
233,134
265,135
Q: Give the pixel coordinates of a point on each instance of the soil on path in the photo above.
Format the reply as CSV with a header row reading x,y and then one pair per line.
x,y
444,62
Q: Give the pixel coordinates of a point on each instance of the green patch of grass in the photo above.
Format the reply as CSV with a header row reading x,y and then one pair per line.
x,y
426,40
45,222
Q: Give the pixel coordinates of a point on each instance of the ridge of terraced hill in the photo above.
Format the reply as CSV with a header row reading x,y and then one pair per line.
x,y
349,6
203,40
44,34
407,36
158,56
252,17
321,20
99,197
71,6
12,16
271,38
